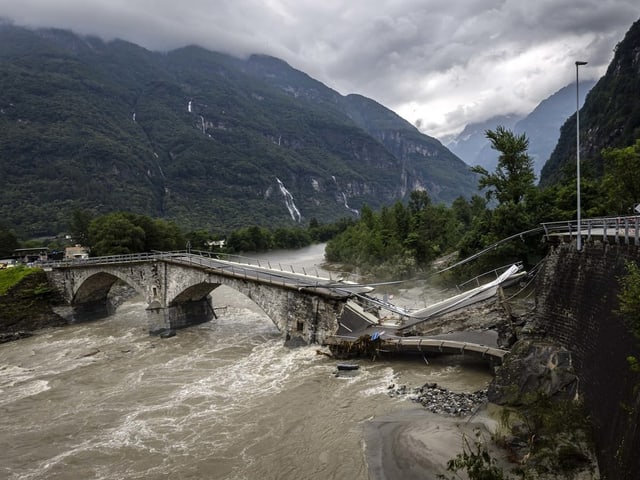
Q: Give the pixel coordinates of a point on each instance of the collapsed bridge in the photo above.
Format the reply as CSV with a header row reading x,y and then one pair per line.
x,y
307,309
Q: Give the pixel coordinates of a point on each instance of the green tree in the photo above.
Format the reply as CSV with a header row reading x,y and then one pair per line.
x,y
250,239
115,234
198,239
79,226
512,186
8,242
621,180
513,177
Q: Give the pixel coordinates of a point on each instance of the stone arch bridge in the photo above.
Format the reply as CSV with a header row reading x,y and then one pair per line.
x,y
176,288
305,308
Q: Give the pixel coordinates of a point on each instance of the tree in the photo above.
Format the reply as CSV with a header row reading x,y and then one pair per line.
x,y
79,225
513,178
621,179
512,185
115,234
8,242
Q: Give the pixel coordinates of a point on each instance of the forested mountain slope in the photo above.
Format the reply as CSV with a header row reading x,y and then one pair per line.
x,y
198,137
610,116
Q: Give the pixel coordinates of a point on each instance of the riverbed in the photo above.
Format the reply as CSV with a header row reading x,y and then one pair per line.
x,y
221,400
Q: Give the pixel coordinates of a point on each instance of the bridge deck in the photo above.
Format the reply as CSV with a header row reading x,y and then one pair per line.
x,y
245,271
361,332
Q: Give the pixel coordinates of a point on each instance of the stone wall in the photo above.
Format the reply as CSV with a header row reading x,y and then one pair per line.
x,y
576,303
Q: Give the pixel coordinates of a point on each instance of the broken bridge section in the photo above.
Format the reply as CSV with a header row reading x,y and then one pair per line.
x,y
176,288
361,332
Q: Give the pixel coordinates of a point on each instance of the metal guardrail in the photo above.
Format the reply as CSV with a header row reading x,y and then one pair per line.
x,y
493,274
193,256
109,259
233,265
624,229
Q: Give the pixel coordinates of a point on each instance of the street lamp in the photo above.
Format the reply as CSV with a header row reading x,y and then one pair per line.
x,y
579,238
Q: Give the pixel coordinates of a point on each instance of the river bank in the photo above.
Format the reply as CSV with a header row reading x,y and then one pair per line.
x,y
28,307
376,410
416,445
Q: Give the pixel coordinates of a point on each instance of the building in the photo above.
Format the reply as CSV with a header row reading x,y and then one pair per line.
x,y
76,252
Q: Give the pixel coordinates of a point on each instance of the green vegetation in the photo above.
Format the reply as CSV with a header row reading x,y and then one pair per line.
x,y
8,242
629,298
122,233
476,462
513,180
402,240
622,178
193,137
10,277
553,436
610,117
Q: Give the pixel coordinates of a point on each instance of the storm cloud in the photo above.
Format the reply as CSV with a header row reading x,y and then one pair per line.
x,y
438,63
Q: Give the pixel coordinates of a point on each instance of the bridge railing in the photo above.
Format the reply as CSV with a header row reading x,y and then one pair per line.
x,y
108,259
485,277
268,264
625,229
241,267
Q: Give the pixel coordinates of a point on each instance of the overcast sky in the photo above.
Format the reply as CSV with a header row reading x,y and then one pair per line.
x,y
440,64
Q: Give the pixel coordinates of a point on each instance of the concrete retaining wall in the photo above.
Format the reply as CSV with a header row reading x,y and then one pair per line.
x,y
576,305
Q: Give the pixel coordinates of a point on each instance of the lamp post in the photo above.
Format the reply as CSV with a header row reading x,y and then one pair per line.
x,y
579,237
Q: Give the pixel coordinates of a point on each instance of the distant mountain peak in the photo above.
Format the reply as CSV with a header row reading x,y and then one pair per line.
x,y
541,126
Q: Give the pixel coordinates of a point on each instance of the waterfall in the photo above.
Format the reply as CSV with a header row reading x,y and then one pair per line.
x,y
346,205
288,200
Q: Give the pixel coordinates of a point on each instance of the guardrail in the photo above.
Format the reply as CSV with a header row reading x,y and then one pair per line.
x,y
109,259
493,274
621,229
234,265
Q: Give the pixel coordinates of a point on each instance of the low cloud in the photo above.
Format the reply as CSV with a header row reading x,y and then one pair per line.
x,y
438,63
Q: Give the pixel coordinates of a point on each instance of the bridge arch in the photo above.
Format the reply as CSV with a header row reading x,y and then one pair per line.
x,y
90,294
293,314
177,290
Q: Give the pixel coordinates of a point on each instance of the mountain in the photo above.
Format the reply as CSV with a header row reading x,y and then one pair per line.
x,y
541,126
198,137
610,116
472,146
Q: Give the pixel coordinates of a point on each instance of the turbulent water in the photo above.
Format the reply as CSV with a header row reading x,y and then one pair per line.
x,y
222,400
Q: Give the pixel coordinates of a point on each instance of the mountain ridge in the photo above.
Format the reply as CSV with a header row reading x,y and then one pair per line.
x,y
610,116
194,136
541,126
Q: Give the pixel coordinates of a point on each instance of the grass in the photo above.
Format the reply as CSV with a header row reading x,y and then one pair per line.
x,y
12,276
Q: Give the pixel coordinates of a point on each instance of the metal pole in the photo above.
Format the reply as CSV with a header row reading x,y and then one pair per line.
x,y
579,237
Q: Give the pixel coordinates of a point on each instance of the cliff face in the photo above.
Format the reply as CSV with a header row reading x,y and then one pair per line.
x,y
610,116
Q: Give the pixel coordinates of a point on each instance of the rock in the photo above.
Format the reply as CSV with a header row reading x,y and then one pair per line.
x,y
10,337
440,400
533,368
